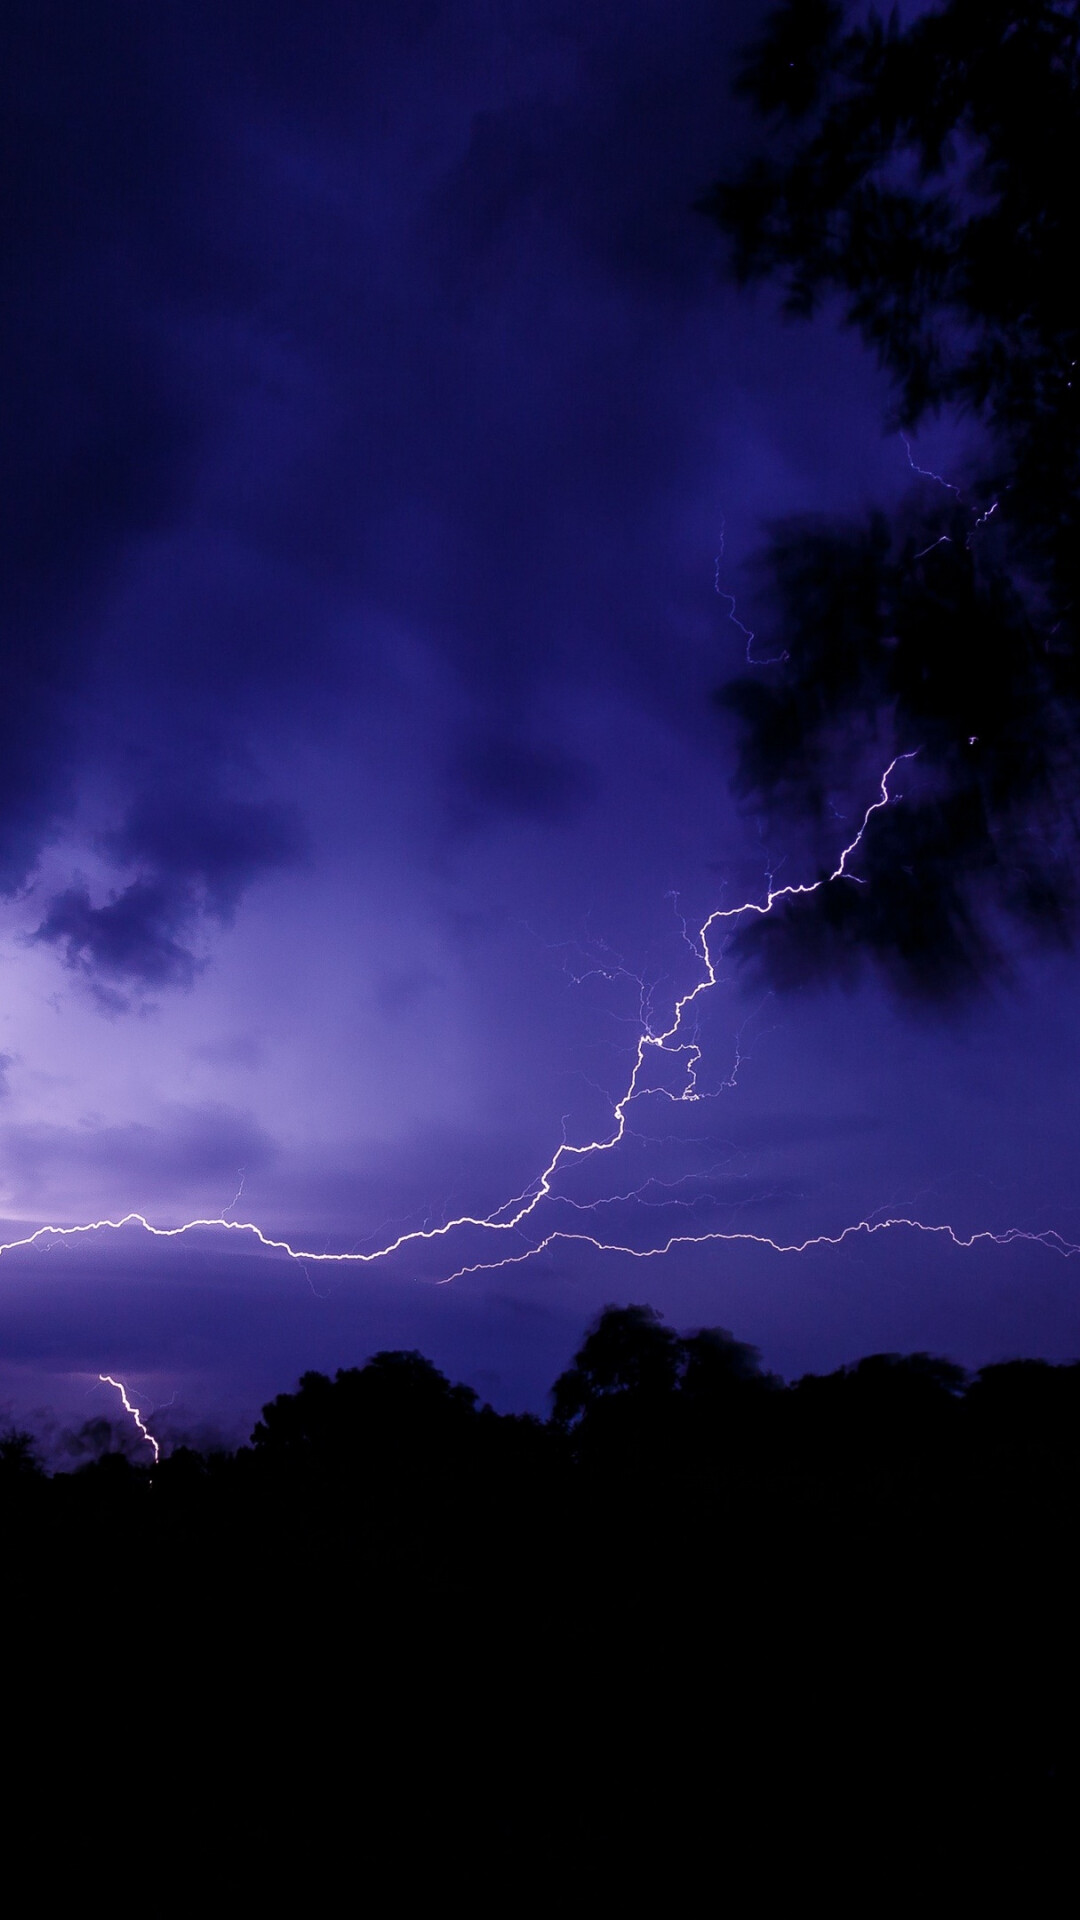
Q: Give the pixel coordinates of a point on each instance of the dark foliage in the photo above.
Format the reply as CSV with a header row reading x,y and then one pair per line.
x,y
922,176
695,1601
18,1458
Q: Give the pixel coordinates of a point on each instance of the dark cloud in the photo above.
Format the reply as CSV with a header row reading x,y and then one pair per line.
x,y
215,847
197,859
608,123
132,260
101,425
132,937
319,310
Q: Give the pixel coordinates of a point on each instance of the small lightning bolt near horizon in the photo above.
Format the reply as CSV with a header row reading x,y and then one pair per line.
x,y
108,1381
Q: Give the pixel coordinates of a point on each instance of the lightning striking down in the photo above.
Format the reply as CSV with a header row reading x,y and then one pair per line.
x,y
512,1216
108,1381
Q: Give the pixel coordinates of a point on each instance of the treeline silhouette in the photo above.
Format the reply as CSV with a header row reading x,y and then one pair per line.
x,y
692,1594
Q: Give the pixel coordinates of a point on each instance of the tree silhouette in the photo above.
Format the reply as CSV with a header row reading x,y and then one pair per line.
x,y
19,1462
394,1410
696,1589
654,1408
627,1355
922,178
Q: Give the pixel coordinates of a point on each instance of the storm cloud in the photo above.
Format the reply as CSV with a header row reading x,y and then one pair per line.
x,y
385,453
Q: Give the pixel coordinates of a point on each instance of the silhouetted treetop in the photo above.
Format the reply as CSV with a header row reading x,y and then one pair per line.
x,y
885,1392
633,1378
390,1473
399,1404
19,1462
1028,1406
626,1351
714,1363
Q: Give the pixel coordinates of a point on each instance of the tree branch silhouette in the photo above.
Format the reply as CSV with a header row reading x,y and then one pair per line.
x,y
921,178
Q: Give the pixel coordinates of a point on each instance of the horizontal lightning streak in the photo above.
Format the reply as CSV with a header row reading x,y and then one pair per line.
x,y
511,1214
1049,1238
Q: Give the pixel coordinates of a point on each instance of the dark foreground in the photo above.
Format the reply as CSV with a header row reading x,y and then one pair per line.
x,y
698,1623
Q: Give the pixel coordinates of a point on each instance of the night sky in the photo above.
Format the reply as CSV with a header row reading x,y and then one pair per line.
x,y
386,453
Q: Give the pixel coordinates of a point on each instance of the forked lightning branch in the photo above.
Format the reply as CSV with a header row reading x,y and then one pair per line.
x,y
520,1221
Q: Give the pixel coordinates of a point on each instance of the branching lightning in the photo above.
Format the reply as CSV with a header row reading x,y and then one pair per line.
x,y
677,1042
927,473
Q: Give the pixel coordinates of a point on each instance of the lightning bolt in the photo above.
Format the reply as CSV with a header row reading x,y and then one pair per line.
x,y
927,473
510,1218
108,1381
1049,1238
776,659
943,540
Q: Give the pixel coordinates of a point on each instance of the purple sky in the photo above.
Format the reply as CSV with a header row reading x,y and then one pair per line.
x,y
381,416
